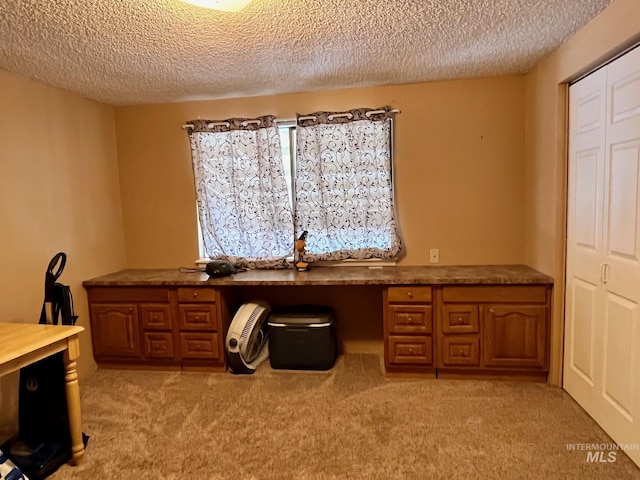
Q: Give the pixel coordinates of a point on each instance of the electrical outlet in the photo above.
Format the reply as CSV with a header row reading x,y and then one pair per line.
x,y
434,255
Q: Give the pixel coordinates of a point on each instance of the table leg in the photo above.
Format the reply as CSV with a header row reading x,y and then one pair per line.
x,y
73,398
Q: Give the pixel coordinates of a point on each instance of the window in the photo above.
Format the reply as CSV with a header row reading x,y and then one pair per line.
x,y
326,173
241,191
287,132
343,185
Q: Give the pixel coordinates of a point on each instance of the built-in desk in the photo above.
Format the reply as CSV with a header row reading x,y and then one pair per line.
x,y
457,321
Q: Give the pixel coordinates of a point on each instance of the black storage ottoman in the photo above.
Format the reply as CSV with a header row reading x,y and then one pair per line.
x,y
302,338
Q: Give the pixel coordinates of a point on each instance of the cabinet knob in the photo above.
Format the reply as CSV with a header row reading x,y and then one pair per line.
x,y
410,294
197,318
154,317
130,309
195,294
460,320
410,320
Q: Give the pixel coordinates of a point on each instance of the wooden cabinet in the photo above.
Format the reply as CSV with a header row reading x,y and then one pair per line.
x,y
132,326
494,330
158,327
408,327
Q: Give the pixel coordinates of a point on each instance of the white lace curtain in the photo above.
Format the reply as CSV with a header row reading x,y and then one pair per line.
x,y
344,188
243,205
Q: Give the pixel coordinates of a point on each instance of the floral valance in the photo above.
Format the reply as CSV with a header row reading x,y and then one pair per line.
x,y
318,118
230,124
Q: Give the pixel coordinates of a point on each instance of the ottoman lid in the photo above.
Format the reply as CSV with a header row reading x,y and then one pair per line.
x,y
301,315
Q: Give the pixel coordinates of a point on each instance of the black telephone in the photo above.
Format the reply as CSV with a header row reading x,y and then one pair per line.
x,y
219,268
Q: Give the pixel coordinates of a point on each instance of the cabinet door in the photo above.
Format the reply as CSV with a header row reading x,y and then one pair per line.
x,y
115,330
515,336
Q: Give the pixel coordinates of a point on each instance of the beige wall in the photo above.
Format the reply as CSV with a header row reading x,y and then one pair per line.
x,y
609,33
459,168
59,192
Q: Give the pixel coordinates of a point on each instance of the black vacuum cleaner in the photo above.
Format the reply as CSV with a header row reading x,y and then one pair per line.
x,y
43,442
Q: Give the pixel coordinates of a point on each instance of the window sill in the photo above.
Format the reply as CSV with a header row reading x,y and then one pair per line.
x,y
372,263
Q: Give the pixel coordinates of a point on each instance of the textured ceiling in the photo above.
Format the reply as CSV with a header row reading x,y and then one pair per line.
x,y
150,51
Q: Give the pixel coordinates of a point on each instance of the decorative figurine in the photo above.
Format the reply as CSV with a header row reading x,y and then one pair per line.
x,y
301,243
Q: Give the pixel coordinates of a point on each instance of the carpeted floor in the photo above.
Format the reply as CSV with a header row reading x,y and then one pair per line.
x,y
348,423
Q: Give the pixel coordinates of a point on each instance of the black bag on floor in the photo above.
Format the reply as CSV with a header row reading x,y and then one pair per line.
x,y
43,443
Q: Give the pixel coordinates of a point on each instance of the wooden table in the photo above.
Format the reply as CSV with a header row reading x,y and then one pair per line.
x,y
24,344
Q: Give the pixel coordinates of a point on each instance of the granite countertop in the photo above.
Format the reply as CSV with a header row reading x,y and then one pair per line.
x,y
400,275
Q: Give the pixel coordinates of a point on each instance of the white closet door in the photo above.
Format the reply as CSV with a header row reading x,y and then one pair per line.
x,y
602,330
587,119
621,340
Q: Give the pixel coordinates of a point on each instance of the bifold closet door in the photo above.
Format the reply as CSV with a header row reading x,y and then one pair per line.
x,y
602,315
583,325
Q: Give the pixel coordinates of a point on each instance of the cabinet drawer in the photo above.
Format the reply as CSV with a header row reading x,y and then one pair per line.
x,y
410,318
198,317
199,345
460,319
409,294
196,295
155,317
458,350
158,345
410,350
128,294
495,293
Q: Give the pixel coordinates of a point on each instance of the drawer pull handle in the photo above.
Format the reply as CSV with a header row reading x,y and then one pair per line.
x,y
195,294
410,295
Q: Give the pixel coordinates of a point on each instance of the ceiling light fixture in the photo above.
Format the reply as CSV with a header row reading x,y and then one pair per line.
x,y
224,5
